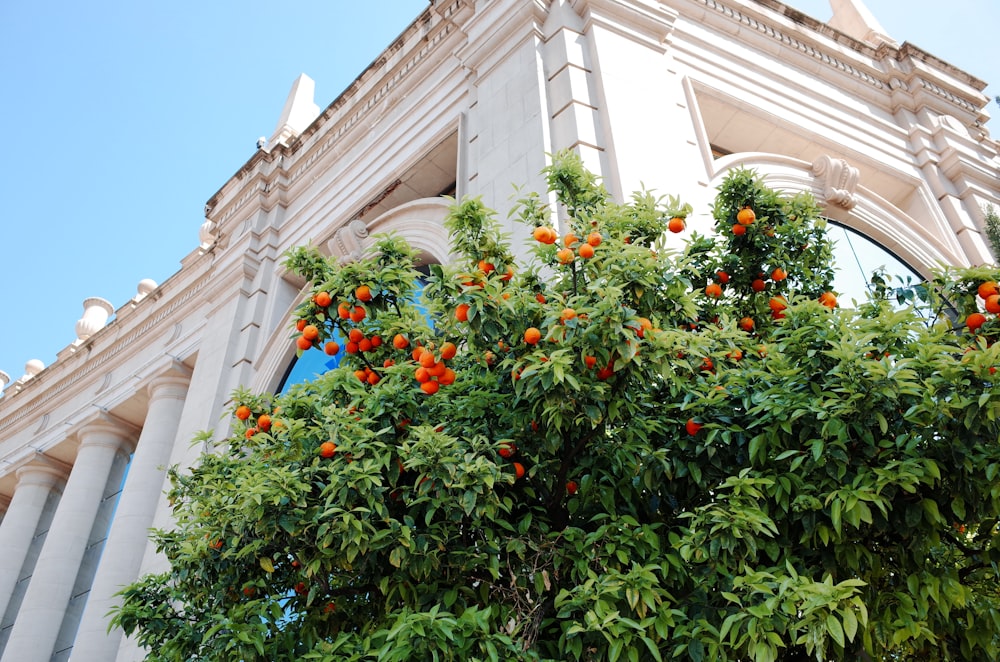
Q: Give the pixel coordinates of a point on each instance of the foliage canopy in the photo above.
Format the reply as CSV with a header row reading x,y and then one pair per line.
x,y
670,470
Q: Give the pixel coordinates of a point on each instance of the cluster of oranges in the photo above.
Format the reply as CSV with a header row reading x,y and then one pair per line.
x,y
432,371
573,246
260,423
507,450
989,292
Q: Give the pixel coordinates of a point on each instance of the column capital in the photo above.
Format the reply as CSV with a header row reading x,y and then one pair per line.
x,y
106,429
43,471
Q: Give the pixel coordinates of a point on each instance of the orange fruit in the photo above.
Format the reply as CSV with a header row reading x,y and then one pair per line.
x,y
544,234
323,299
486,267
331,348
692,426
746,324
777,304
427,358
586,251
745,216
508,274
446,378
569,240
565,255
828,299
437,369
993,303
590,361
363,293
567,314
571,487
676,224
722,276
739,230
539,297
713,290
243,412
644,326
736,354
361,375
974,321
358,314
373,378
779,274
507,449
430,387
355,335
250,432
606,372
462,312
300,324
365,345
532,336
758,285
343,311
448,351
264,422
303,343
351,348
376,341
310,332
421,374
595,239
519,470
988,289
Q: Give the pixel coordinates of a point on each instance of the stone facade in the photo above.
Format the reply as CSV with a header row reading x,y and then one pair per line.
x,y
658,94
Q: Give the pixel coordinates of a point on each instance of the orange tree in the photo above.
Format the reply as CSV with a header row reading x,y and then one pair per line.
x,y
615,451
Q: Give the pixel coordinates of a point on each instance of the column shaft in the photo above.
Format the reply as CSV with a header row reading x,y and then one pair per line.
x,y
130,530
35,482
41,614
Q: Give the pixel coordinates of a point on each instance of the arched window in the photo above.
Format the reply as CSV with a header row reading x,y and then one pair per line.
x,y
856,258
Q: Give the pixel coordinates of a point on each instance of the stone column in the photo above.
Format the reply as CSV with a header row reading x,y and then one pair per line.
x,y
35,482
129,534
41,614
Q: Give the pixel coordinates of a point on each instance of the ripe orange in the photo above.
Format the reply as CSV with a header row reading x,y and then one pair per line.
x,y
567,314
993,303
507,449
448,351
739,230
590,361
331,348
447,378
532,336
644,326
358,314
565,255
430,387
427,358
421,374
736,354
310,332
988,289
571,487
355,335
539,297
777,304
300,324
745,216
361,375
486,267
828,299
376,341
365,345
264,422
692,426
676,224
327,449
519,470
713,290
595,239
243,412
722,276
974,321
303,343
373,378
323,299
758,285
779,274
343,311
250,432
570,239
606,372
462,312
508,274
586,251
437,369
544,234
746,324
363,293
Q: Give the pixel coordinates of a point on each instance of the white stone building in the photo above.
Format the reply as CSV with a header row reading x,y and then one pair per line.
x,y
662,94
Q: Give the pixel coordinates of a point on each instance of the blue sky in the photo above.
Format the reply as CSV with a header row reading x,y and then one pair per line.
x,y
121,119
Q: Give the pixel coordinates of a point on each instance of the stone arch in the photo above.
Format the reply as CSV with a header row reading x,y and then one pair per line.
x,y
420,222
845,199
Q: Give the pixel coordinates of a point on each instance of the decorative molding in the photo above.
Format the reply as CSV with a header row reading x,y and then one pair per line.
x,y
840,181
349,241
